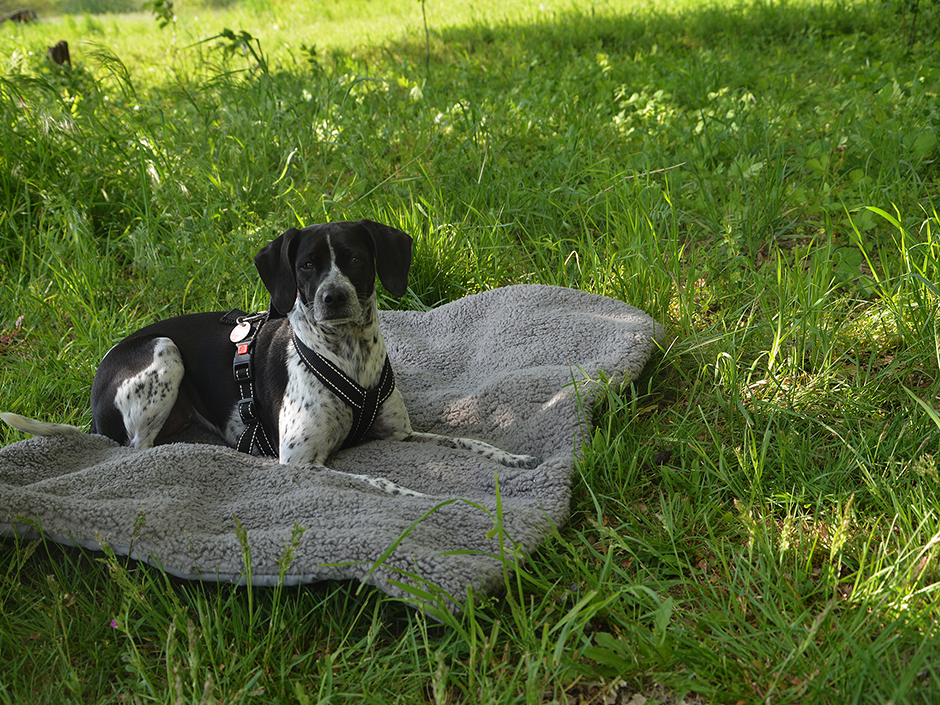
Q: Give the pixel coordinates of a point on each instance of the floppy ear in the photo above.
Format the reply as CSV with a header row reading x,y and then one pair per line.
x,y
392,253
275,264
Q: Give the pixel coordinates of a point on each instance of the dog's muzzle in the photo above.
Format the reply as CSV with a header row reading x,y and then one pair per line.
x,y
336,302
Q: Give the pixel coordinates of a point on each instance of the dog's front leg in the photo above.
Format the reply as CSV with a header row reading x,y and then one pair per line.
x,y
487,450
393,422
310,429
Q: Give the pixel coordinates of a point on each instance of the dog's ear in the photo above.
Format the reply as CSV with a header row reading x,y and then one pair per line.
x,y
392,252
275,264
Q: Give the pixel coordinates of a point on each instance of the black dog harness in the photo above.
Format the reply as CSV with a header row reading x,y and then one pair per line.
x,y
256,434
363,402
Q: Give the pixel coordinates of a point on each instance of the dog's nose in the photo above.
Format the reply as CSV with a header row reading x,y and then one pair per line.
x,y
334,297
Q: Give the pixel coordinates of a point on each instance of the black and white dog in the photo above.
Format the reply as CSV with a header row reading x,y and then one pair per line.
x,y
294,395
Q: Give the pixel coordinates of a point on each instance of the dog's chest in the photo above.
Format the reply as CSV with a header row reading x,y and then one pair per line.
x,y
314,421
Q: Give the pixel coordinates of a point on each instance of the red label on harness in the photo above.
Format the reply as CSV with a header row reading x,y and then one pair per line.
x,y
243,348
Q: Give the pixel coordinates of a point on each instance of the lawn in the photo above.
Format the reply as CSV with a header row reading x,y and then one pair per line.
x,y
754,520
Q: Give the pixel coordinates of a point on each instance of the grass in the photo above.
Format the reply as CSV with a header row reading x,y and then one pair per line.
x,y
761,178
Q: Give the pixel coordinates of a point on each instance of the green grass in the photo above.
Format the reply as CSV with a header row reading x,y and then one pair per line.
x,y
762,178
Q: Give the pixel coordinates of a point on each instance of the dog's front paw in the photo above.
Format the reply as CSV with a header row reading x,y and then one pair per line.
x,y
526,462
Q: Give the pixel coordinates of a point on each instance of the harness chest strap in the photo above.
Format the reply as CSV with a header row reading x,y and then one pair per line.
x,y
364,403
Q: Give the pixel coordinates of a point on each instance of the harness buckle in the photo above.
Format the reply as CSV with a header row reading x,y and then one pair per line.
x,y
242,367
246,409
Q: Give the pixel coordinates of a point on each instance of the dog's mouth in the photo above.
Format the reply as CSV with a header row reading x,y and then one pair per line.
x,y
349,312
335,320
320,315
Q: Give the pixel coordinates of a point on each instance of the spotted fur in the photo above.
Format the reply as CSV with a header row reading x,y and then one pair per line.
x,y
146,398
322,284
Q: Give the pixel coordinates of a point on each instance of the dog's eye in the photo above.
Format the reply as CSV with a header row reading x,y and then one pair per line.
x,y
307,265
355,261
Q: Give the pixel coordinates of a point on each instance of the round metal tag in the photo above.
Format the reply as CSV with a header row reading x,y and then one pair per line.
x,y
239,332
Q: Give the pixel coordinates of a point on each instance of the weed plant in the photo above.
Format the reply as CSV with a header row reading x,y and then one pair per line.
x,y
754,520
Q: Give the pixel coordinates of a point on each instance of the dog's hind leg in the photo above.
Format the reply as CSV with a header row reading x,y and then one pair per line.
x,y
134,394
145,398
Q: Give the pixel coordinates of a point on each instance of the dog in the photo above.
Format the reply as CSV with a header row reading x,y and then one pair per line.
x,y
297,369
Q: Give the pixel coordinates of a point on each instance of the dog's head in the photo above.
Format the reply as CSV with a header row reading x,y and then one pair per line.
x,y
331,268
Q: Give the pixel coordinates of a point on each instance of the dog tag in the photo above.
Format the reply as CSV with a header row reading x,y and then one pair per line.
x,y
239,332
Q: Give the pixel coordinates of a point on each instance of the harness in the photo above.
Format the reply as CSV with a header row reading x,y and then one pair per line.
x,y
244,334
364,403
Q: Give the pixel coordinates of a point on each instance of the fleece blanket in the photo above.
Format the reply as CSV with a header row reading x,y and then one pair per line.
x,y
517,367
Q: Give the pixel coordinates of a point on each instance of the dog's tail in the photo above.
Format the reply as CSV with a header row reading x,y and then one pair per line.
x,y
38,428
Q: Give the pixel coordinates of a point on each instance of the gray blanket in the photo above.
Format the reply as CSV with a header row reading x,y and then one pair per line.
x,y
517,367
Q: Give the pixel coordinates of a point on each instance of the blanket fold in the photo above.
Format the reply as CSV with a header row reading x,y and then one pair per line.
x,y
517,367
